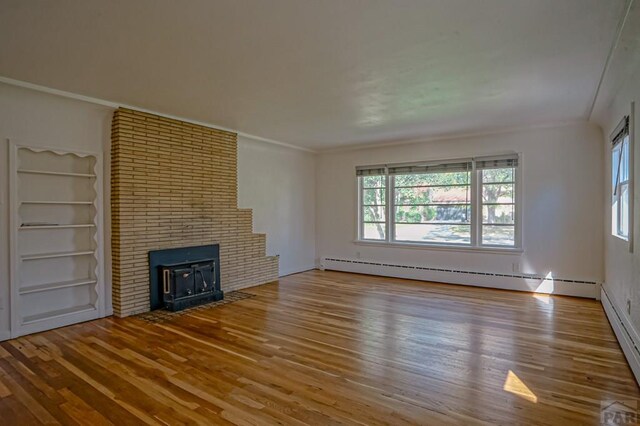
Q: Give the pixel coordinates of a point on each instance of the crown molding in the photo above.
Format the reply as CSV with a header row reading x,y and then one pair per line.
x,y
346,148
614,45
451,136
110,104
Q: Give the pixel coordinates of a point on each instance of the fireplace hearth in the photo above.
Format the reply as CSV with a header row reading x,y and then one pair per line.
x,y
184,277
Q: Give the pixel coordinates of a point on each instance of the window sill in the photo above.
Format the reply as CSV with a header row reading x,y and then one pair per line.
x,y
621,238
444,247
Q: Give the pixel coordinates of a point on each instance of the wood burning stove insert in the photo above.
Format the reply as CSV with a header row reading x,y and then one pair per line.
x,y
184,277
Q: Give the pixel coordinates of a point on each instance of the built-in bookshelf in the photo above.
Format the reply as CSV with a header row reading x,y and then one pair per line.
x,y
57,236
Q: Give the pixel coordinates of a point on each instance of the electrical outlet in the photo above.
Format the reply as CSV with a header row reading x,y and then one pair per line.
x,y
516,266
628,306
357,255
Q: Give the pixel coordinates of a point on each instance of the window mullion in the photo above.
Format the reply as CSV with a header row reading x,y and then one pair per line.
x,y
476,208
518,206
390,206
360,208
618,166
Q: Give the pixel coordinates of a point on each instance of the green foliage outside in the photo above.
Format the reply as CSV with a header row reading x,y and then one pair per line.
x,y
495,190
412,191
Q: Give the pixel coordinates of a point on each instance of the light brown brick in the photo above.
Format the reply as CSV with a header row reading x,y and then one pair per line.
x,y
174,184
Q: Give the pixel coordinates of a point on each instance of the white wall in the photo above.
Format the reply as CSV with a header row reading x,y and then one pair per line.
x,y
38,119
278,183
622,278
562,184
305,203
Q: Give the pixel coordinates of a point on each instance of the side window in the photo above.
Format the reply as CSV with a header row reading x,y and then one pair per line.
x,y
620,180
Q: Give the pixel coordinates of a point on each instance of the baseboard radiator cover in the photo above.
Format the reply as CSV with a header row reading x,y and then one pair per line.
x,y
625,332
519,282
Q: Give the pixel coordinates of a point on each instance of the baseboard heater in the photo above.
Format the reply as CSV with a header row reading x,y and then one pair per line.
x,y
625,333
521,282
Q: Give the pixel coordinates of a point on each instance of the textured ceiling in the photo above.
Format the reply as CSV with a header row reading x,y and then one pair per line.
x,y
321,74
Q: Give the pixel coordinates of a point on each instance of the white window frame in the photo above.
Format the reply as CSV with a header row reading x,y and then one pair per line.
x,y
621,138
360,209
476,214
476,205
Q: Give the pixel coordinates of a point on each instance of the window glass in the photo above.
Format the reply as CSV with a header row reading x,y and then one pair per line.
x,y
373,207
373,197
503,214
498,175
460,202
615,164
374,231
620,202
433,233
433,207
624,210
498,235
624,163
498,207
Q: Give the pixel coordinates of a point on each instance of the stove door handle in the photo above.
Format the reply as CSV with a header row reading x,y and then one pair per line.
x,y
202,275
165,280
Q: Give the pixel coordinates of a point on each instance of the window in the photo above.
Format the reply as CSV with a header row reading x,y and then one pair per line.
x,y
460,203
498,203
373,205
432,204
620,179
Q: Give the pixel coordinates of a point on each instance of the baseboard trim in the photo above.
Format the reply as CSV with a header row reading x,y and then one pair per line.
x,y
625,333
296,270
518,282
5,335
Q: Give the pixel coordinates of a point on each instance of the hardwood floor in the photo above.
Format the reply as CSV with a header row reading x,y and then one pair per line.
x,y
327,348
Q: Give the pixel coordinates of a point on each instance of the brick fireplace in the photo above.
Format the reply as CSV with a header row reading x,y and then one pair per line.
x,y
174,184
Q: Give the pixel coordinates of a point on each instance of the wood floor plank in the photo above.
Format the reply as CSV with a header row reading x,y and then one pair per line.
x,y
328,348
82,413
28,400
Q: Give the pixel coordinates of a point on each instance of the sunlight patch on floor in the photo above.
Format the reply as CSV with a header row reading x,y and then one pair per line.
x,y
516,386
544,298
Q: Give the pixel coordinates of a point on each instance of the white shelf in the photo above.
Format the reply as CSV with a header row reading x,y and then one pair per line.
x,y
46,316
57,275
79,225
55,255
79,203
52,173
55,286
